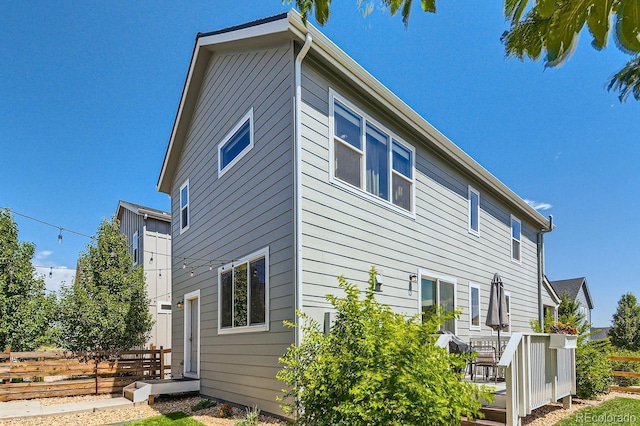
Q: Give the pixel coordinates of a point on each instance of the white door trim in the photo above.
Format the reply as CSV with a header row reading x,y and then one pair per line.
x,y
194,295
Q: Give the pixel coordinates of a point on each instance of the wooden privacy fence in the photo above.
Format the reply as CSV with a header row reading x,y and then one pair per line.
x,y
26,375
625,374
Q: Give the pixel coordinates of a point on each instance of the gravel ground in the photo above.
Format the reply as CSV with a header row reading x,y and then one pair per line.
x,y
543,416
163,405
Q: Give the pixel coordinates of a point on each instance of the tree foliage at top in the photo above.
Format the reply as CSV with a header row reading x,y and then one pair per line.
x,y
375,367
26,313
549,27
625,329
107,305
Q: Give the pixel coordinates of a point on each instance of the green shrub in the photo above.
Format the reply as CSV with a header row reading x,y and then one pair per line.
x,y
251,418
628,366
203,404
593,369
375,367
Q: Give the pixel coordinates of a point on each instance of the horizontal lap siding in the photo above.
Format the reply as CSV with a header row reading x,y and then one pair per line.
x,y
249,208
345,234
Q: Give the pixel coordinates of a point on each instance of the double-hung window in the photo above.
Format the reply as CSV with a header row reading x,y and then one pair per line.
x,y
516,234
236,144
370,158
474,306
243,294
474,211
184,207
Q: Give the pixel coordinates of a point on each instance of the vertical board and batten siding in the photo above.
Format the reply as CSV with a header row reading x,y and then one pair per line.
x,y
247,209
581,297
153,236
345,233
157,243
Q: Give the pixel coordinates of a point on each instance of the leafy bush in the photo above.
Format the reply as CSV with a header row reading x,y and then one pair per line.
x,y
593,368
375,367
629,366
204,404
251,418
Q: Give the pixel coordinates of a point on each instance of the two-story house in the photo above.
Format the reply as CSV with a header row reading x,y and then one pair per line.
x,y
148,232
289,165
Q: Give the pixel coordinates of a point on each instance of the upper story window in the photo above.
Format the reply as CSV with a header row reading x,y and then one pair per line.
x,y
474,211
370,158
184,206
243,302
516,233
236,144
134,245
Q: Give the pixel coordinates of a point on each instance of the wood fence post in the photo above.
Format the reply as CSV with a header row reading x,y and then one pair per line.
x,y
8,351
96,370
161,362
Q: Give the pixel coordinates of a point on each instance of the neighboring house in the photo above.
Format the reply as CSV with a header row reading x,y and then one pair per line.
x,y
289,165
578,290
149,234
552,300
599,333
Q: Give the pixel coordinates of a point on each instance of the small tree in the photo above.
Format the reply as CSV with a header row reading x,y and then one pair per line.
x,y
26,313
593,368
107,306
375,367
571,314
625,330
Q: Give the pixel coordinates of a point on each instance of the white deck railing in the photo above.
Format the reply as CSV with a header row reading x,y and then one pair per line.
x,y
535,374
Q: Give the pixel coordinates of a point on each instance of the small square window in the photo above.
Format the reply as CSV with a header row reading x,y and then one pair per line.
x,y
236,144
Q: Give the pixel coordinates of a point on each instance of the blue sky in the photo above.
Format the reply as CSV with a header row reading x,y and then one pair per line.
x,y
89,92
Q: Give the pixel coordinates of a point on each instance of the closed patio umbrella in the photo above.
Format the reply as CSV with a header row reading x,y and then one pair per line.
x,y
497,314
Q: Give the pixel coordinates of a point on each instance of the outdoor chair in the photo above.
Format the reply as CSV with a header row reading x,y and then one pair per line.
x,y
487,358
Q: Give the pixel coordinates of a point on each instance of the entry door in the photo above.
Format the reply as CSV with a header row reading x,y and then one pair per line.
x,y
192,335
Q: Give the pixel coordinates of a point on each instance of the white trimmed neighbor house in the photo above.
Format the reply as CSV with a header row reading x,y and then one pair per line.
x,y
289,165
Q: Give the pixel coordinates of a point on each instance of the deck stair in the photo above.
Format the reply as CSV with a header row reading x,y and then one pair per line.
x,y
493,416
144,390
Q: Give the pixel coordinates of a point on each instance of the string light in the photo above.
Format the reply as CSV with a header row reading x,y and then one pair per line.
x,y
160,274
184,264
60,236
210,266
192,273
51,272
151,259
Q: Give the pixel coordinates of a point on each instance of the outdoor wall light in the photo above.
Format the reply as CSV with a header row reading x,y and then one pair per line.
x,y
180,304
413,278
378,286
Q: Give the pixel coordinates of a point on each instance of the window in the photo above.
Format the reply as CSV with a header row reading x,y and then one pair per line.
x,y
134,245
474,211
164,307
236,144
369,158
438,292
516,230
243,294
474,307
184,206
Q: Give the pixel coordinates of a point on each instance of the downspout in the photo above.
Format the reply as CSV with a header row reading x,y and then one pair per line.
x,y
541,269
298,180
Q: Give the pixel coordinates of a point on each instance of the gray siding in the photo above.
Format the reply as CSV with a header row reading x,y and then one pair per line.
x,y
345,233
153,237
582,298
249,208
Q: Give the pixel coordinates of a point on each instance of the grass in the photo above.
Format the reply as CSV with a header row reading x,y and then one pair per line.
x,y
174,419
614,411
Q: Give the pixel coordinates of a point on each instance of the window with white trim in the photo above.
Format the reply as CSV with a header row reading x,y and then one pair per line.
x,y
436,293
368,157
164,307
516,235
184,207
507,298
243,294
134,245
474,306
236,144
474,211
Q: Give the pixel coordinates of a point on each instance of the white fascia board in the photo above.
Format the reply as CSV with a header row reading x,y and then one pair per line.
x,y
370,85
